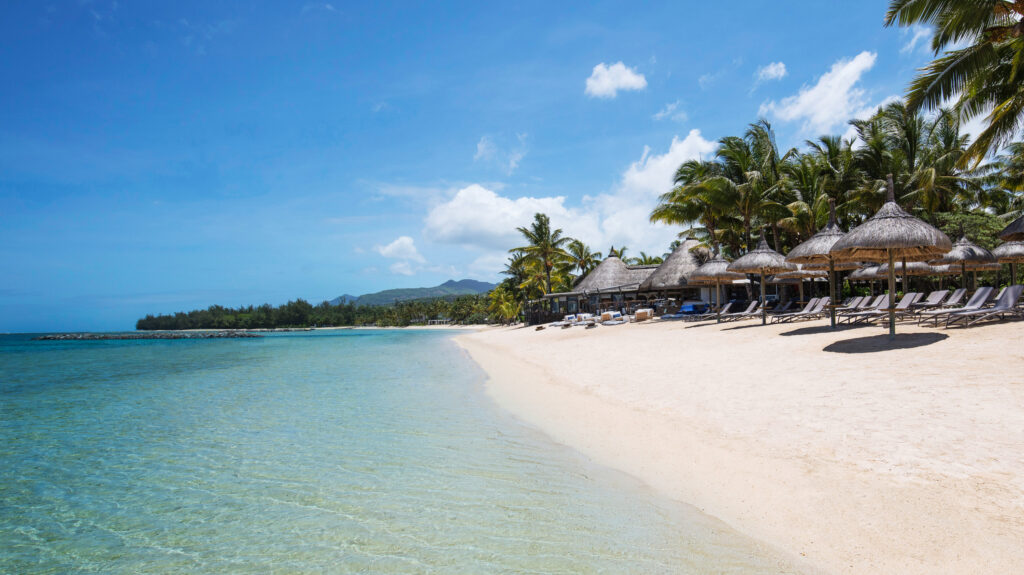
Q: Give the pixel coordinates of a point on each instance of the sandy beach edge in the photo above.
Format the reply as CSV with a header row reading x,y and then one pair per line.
x,y
825,515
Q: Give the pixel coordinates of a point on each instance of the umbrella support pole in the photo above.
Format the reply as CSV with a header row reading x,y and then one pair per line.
x,y
832,291
892,296
718,302
764,312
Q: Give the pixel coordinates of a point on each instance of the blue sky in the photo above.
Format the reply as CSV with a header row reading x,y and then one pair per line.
x,y
158,158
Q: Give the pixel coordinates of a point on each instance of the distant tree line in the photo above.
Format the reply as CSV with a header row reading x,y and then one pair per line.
x,y
466,309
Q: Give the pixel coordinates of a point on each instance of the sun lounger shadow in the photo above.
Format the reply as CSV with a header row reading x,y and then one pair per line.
x,y
744,326
876,343
818,329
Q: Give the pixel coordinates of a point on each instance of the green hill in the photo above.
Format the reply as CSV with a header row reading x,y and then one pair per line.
x,y
450,288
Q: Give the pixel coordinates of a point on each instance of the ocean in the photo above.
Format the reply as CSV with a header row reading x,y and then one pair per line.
x,y
346,451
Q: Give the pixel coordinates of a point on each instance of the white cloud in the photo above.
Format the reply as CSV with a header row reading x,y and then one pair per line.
x,y
505,157
917,33
671,111
606,81
484,221
485,149
708,79
401,268
403,248
832,101
318,6
773,71
479,217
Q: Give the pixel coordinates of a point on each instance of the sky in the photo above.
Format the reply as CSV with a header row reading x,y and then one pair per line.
x,y
162,157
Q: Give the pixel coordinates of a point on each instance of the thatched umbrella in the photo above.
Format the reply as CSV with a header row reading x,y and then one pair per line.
x,y
890,234
674,273
867,273
716,272
1010,253
799,275
969,255
763,261
817,250
1013,232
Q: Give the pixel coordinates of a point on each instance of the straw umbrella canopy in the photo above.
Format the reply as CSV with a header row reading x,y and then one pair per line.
x,y
969,255
890,234
799,275
1013,232
715,271
866,273
1010,253
817,250
763,261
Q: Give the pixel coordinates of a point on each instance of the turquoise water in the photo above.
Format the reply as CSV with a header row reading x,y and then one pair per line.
x,y
340,452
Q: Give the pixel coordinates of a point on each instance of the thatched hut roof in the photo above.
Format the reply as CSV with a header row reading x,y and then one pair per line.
x,y
762,260
716,271
966,251
1013,232
1010,252
674,272
892,230
817,249
613,274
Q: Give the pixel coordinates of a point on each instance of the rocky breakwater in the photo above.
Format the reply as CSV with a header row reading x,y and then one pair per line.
x,y
147,335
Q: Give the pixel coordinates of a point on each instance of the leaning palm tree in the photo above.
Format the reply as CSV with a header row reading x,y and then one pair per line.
x,y
545,247
983,75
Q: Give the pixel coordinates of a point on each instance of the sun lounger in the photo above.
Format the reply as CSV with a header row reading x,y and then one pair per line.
x,y
1005,305
934,300
851,304
708,315
566,320
955,298
614,318
977,300
880,302
903,309
752,310
867,303
781,317
809,312
782,308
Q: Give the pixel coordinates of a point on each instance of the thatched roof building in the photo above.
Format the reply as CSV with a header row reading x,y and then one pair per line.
x,y
674,273
612,274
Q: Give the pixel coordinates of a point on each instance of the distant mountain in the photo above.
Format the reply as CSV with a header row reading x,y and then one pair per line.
x,y
450,288
340,300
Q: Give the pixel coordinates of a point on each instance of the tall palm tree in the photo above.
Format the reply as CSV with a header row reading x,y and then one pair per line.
x,y
984,75
581,258
544,246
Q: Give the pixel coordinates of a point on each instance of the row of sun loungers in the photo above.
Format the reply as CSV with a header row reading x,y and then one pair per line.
x,y
940,306
813,310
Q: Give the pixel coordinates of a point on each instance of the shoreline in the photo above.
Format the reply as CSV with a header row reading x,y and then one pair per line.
x,y
875,460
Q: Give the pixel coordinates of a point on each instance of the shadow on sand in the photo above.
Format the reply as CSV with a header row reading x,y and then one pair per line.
x,y
875,343
816,329
745,326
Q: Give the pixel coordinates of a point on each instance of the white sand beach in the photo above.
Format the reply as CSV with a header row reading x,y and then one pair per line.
x,y
843,451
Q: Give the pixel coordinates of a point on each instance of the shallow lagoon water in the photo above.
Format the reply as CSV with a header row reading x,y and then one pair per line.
x,y
343,452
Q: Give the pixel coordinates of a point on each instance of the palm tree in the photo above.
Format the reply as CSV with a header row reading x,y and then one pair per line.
x,y
544,246
646,260
984,75
581,258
